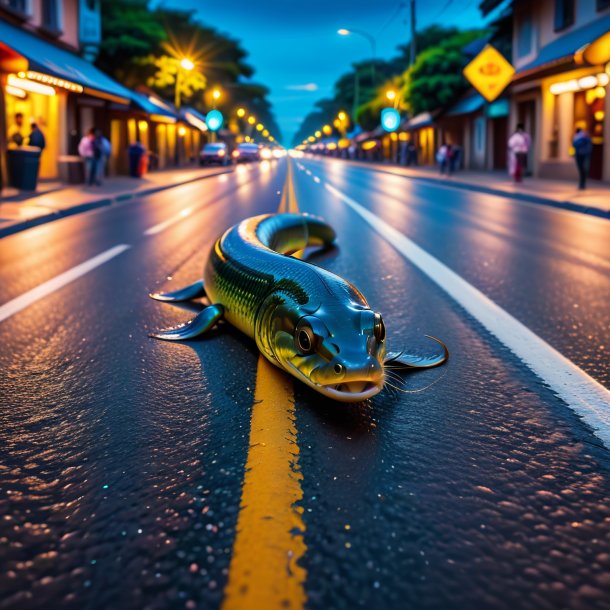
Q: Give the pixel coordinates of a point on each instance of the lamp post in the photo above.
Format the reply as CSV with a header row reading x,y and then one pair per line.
x,y
373,43
185,65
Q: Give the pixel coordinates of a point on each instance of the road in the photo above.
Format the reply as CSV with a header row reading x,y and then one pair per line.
x,y
136,473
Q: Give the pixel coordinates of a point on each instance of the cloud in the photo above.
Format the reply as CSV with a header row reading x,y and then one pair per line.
x,y
305,87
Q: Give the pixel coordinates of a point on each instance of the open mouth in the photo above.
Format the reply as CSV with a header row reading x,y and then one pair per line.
x,y
347,391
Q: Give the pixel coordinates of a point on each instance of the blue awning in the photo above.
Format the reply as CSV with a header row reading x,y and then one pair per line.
x,y
565,46
425,119
49,59
466,105
151,105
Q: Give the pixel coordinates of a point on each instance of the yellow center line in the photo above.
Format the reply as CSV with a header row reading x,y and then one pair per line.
x,y
264,571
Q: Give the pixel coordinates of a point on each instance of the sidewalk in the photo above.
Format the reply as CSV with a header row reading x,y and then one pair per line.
x,y
594,200
20,211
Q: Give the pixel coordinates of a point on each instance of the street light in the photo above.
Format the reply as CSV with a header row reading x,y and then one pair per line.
x,y
185,65
372,41
241,112
251,120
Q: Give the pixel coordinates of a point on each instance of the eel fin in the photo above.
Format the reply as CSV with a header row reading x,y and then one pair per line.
x,y
193,291
402,361
199,325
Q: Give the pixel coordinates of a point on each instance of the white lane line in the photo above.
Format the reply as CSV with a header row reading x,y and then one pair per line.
x,y
31,296
583,394
169,222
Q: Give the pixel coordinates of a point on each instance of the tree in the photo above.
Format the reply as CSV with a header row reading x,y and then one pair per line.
x,y
142,47
170,74
394,73
129,32
436,78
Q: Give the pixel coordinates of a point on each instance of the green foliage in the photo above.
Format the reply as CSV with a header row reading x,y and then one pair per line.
x,y
143,47
395,73
436,78
166,76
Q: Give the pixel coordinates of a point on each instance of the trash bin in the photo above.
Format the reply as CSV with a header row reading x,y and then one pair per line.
x,y
71,169
136,165
22,167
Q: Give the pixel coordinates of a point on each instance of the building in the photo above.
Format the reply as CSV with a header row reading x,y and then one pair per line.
x,y
45,79
46,74
555,88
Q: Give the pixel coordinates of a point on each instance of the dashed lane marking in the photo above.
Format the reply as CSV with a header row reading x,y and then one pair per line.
x,y
50,286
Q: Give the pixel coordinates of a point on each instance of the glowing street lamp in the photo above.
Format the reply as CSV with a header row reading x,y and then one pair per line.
x,y
372,42
251,120
265,133
327,129
241,112
260,127
185,65
342,116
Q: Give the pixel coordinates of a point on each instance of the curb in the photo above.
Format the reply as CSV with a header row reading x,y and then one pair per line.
x,y
17,227
571,206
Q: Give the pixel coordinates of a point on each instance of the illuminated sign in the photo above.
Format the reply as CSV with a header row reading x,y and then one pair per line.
x,y
214,120
489,73
579,84
390,119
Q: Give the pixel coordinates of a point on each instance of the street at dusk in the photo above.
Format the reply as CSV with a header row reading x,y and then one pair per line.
x,y
374,371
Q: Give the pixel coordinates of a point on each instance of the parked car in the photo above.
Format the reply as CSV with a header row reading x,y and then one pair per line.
x,y
246,152
215,152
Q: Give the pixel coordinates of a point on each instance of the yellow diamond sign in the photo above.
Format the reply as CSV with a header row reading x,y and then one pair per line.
x,y
489,73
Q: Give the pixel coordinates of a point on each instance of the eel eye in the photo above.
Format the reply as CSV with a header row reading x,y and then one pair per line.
x,y
305,340
379,328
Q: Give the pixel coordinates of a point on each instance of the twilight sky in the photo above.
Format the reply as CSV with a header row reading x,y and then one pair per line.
x,y
295,48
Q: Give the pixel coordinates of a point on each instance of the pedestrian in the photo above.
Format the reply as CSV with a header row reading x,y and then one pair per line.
x,y
583,148
411,153
443,156
91,153
106,150
37,137
518,146
15,132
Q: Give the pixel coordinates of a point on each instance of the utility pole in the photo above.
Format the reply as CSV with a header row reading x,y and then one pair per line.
x,y
413,43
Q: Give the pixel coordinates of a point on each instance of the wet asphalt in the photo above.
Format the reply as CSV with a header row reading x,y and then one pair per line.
x,y
122,458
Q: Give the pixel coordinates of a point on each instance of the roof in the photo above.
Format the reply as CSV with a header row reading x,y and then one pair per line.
x,y
565,46
151,105
194,118
42,56
466,105
424,119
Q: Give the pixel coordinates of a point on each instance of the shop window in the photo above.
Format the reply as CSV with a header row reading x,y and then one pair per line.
x,y
603,4
564,14
50,15
525,35
20,7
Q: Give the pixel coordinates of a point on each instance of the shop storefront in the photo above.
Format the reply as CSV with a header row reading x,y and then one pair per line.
x,y
58,90
575,100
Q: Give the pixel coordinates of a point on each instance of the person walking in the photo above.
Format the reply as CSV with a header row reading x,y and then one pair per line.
x,y
518,146
37,137
15,132
443,156
91,153
105,148
583,148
